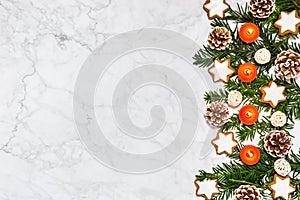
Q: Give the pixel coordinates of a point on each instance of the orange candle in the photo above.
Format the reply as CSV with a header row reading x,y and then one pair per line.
x,y
250,155
248,115
247,72
249,32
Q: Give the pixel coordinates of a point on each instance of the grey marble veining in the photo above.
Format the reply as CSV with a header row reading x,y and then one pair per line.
x,y
43,46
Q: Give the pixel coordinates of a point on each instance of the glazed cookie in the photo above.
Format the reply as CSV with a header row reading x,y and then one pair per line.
x,y
216,8
288,22
207,188
225,143
272,94
221,70
281,187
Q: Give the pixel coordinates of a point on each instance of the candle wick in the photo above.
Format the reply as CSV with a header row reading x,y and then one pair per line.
x,y
250,154
248,114
249,31
247,71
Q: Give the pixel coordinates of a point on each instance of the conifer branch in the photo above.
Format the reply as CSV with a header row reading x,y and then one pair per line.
x,y
231,175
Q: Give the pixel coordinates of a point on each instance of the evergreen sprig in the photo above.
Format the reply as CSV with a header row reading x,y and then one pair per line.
x,y
212,96
233,174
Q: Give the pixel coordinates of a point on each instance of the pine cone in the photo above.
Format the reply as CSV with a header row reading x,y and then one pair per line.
x,y
287,65
219,38
247,192
262,8
277,144
217,114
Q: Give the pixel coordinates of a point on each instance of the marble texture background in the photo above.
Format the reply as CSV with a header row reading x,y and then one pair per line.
x,y
43,46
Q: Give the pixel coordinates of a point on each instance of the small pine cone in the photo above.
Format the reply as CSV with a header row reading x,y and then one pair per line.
x,y
277,144
287,65
262,8
219,38
217,114
247,192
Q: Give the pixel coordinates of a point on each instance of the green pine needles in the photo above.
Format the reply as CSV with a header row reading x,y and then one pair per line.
x,y
231,175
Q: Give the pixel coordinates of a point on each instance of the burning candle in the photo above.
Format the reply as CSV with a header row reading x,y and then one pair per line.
x,y
247,72
249,32
248,115
250,155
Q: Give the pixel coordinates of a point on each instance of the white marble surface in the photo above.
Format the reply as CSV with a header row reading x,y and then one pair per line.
x,y
43,46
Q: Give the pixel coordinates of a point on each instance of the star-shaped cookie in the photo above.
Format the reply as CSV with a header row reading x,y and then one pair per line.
x,y
288,22
221,70
272,94
207,188
281,187
216,8
225,143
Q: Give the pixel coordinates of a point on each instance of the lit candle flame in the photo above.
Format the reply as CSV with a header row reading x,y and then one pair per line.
x,y
248,114
250,154
250,31
247,72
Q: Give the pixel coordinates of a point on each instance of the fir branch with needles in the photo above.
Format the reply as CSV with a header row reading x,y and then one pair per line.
x,y
233,174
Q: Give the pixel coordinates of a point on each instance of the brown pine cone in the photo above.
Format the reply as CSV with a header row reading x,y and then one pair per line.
x,y
217,114
219,38
287,65
277,144
247,192
262,8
